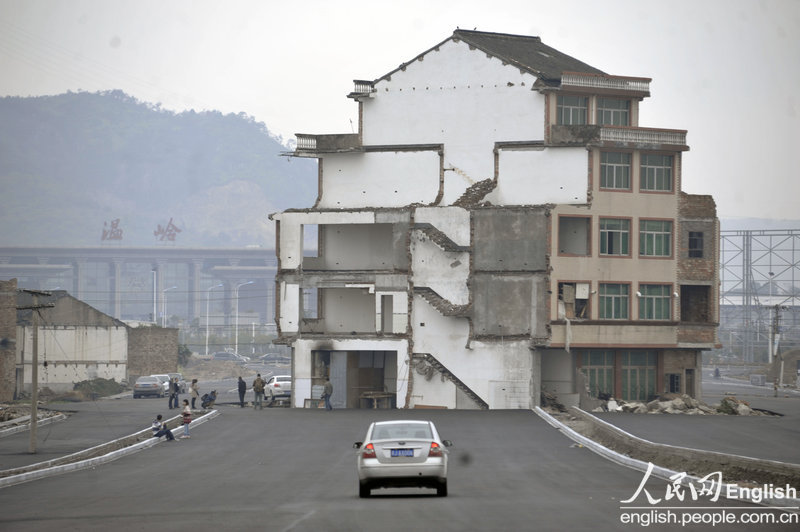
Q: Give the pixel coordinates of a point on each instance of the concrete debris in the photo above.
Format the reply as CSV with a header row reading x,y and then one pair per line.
x,y
680,404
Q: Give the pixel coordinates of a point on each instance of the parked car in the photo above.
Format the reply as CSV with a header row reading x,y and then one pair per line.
x,y
278,387
402,453
147,385
164,379
181,381
231,357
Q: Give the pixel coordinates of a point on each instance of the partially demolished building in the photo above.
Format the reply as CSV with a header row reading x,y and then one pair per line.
x,y
499,226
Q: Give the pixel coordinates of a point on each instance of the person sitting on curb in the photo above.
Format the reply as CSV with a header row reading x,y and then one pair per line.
x,y
160,429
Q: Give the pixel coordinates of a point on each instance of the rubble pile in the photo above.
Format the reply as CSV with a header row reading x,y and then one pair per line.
x,y
680,404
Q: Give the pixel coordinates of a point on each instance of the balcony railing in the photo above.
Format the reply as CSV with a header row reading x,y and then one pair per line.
x,y
613,83
327,143
362,88
640,135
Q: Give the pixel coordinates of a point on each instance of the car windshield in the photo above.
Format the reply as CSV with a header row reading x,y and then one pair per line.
x,y
392,431
146,379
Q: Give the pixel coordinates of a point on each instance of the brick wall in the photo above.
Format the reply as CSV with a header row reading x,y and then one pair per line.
x,y
151,350
8,338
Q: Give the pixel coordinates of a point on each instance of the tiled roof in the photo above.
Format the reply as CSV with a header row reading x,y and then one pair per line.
x,y
526,52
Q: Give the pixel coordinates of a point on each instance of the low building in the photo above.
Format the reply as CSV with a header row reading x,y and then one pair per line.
x,y
76,342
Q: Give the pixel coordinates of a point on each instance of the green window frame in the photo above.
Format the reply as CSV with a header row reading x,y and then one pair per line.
x,y
613,112
615,235
638,375
655,302
615,170
598,367
656,172
614,301
655,238
572,110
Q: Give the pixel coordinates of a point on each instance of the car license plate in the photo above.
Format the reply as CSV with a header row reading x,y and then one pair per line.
x,y
403,452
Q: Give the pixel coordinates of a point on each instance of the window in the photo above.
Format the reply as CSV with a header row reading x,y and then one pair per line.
x,y
655,238
638,375
613,111
656,172
574,297
615,170
614,301
614,236
695,244
598,366
655,302
672,382
572,110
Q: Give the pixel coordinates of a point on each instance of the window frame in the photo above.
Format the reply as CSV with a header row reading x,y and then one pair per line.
x,y
692,250
619,303
647,235
617,167
613,111
572,108
624,243
644,178
649,301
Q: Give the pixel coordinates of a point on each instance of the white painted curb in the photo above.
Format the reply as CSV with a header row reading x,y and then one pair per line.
x,y
99,460
27,426
627,461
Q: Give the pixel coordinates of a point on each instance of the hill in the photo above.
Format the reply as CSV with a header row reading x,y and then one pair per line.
x,y
82,169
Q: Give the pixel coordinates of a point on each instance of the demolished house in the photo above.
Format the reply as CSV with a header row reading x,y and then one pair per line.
x,y
499,226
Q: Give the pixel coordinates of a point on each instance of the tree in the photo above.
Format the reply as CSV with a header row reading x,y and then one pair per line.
x,y
184,354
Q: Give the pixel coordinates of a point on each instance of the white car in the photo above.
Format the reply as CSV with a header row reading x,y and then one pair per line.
x,y
278,387
164,379
403,453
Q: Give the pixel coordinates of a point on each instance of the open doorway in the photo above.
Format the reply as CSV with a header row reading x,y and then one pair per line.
x,y
360,379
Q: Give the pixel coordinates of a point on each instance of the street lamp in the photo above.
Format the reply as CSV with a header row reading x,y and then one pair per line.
x,y
164,305
208,296
236,295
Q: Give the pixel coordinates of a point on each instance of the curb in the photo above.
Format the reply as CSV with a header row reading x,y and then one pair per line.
x,y
93,462
27,426
657,471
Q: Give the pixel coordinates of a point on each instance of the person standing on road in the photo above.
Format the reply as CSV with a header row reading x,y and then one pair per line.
x,y
258,389
173,393
195,392
327,391
160,429
187,418
242,391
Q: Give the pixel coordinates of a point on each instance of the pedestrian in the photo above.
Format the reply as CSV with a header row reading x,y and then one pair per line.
x,y
258,389
160,429
187,418
173,393
195,392
242,391
327,391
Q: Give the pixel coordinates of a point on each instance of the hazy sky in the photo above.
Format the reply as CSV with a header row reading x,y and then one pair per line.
x,y
728,71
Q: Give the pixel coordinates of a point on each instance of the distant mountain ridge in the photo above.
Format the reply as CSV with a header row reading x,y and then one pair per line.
x,y
81,169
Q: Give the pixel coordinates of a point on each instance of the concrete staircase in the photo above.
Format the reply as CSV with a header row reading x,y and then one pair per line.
x,y
425,363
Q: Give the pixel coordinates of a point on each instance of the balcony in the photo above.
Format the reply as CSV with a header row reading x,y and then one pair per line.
x,y
311,145
618,137
362,89
598,83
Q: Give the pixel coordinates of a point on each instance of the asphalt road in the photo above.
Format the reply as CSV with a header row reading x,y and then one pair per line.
x,y
294,469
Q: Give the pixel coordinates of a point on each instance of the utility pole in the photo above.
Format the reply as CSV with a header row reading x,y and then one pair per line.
x,y
35,361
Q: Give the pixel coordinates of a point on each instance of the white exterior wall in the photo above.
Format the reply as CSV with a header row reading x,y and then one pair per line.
x,y
388,179
446,273
499,372
289,318
291,230
302,370
452,221
74,354
460,98
539,176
